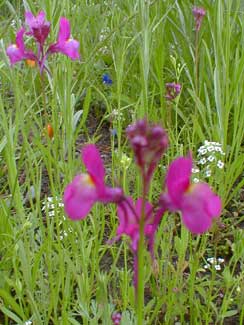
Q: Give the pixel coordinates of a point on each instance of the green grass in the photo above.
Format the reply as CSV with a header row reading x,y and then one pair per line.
x,y
54,271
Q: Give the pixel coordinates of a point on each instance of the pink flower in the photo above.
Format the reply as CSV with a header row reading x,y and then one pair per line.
x,y
149,142
17,52
198,14
129,216
65,44
197,202
39,28
173,90
87,189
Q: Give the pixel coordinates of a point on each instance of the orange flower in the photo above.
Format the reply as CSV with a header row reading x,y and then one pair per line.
x,y
49,130
31,63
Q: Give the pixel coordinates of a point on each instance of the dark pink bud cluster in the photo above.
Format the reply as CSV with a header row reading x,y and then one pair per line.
x,y
148,142
116,318
198,14
172,90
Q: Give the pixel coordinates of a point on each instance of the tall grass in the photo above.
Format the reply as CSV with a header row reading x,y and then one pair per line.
x,y
54,271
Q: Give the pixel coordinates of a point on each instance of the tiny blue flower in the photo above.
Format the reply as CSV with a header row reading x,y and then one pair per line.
x,y
106,79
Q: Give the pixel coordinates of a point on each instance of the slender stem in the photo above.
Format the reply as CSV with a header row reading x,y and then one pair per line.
x,y
44,99
196,62
140,260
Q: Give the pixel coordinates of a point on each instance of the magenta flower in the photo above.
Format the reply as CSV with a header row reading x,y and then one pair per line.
x,y
17,52
172,90
87,189
39,27
148,142
197,203
65,44
198,14
129,216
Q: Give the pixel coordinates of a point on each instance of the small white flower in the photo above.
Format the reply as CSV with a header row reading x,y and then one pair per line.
x,y
220,164
212,260
195,170
208,173
217,267
211,158
221,260
195,180
206,142
211,148
202,161
207,266
202,151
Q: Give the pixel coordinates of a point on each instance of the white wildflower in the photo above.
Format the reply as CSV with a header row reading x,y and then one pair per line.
x,y
217,267
196,180
208,173
211,158
210,148
202,161
195,170
220,164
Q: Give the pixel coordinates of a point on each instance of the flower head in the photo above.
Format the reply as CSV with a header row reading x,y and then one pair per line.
x,y
129,216
65,43
148,142
198,14
197,203
87,189
172,90
17,52
106,79
39,27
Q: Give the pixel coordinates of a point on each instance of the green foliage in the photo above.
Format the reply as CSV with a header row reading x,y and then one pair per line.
x,y
54,271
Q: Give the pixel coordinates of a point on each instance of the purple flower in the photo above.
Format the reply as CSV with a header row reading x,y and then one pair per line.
x,y
148,142
116,318
87,189
129,217
106,79
172,90
39,27
198,14
17,52
198,204
65,44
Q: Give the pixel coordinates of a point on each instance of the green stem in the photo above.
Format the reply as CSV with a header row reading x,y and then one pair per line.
x,y
44,100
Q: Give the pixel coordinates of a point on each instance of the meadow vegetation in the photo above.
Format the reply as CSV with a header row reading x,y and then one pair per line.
x,y
130,60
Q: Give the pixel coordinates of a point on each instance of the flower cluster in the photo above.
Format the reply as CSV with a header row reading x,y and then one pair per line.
x,y
198,14
172,90
198,204
38,28
209,156
116,318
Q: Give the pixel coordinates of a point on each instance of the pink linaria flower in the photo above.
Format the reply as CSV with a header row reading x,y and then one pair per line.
x,y
198,14
17,52
172,90
39,27
65,44
129,217
148,142
87,189
197,203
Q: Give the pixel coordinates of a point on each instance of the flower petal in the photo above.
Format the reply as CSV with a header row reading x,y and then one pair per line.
x,y
79,196
64,30
178,178
94,164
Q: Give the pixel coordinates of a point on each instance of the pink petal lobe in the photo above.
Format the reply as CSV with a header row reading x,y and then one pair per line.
x,y
178,178
20,39
94,164
79,196
64,30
